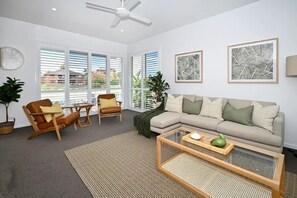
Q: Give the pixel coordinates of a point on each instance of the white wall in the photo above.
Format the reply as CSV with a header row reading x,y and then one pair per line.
x,y
261,20
26,38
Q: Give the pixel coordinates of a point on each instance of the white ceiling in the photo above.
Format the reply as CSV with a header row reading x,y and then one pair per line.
x,y
73,16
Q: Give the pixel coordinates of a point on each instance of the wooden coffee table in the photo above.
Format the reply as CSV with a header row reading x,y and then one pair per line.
x,y
246,170
78,107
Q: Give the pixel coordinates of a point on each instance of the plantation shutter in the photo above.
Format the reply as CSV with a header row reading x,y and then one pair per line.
x,y
151,68
143,66
52,70
151,63
116,67
78,70
136,81
52,75
136,71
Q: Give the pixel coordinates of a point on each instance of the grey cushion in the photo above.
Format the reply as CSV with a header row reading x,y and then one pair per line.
x,y
200,121
240,115
192,107
252,133
165,119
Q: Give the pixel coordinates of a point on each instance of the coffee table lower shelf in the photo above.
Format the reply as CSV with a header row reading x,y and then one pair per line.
x,y
210,180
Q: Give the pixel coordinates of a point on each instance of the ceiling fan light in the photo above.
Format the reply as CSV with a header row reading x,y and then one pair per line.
x,y
122,12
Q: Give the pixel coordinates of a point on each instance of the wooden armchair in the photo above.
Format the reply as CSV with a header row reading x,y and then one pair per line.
x,y
40,125
111,110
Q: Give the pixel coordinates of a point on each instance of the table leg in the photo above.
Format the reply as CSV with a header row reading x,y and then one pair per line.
x,y
88,120
158,154
283,183
78,121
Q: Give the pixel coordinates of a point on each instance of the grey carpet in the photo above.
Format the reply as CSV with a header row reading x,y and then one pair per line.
x,y
38,167
125,166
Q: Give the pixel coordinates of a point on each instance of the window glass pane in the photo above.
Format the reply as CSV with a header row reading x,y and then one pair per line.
x,y
52,70
118,94
53,79
78,70
116,65
78,97
98,68
95,95
141,98
54,97
94,98
136,71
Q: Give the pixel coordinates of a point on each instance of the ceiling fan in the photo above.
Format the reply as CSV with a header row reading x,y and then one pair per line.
x,y
122,12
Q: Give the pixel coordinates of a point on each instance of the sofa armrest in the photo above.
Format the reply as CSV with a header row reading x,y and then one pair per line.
x,y
279,125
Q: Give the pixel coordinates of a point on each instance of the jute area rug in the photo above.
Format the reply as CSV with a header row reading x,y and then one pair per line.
x,y
125,166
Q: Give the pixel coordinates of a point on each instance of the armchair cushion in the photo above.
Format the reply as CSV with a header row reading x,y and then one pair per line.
x,y
104,103
110,110
34,107
108,106
66,120
54,108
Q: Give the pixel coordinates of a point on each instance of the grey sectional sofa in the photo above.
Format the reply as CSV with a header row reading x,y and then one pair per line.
x,y
251,135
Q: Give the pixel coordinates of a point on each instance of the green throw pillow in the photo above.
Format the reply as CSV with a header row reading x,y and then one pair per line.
x,y
242,116
192,107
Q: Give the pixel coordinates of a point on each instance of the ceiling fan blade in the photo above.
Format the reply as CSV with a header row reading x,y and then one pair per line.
x,y
99,7
140,19
115,21
132,4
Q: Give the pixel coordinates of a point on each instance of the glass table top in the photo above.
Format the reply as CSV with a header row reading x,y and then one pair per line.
x,y
253,161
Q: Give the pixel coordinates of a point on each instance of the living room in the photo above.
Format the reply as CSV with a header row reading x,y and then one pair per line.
x,y
244,21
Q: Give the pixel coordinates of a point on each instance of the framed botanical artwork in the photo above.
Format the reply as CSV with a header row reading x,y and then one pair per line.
x,y
253,62
188,67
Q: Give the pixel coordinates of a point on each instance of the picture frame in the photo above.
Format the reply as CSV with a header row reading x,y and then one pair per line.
x,y
189,67
253,62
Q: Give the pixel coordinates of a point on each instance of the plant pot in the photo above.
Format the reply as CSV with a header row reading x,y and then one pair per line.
x,y
6,127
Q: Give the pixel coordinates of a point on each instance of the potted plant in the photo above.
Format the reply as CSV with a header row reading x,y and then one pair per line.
x,y
157,87
9,92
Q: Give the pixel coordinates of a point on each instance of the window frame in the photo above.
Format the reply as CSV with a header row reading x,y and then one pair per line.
x,y
143,89
89,89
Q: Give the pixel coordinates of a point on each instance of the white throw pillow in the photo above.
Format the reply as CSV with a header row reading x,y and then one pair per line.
x,y
174,104
263,116
212,109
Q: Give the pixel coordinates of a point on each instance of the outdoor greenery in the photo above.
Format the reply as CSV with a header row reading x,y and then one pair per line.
x,y
10,92
136,80
136,83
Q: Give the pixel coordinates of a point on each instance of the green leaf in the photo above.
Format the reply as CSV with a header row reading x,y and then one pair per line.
x,y
9,92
